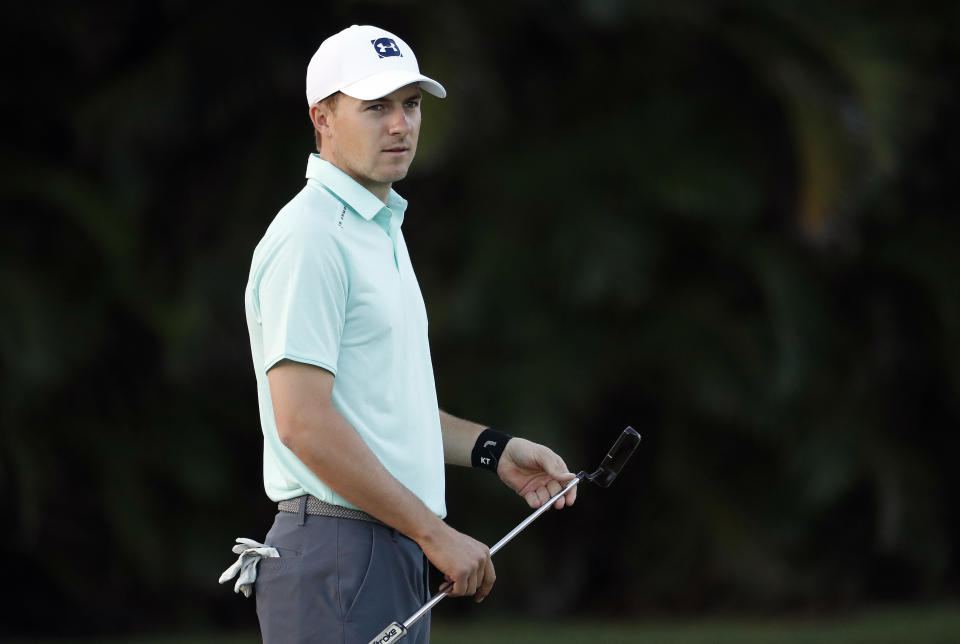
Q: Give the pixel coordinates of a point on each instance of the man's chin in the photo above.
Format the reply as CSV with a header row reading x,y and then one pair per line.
x,y
395,175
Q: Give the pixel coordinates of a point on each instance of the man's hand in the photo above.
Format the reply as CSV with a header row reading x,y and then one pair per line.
x,y
536,473
464,561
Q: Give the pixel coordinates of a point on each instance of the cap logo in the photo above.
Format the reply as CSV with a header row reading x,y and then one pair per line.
x,y
386,47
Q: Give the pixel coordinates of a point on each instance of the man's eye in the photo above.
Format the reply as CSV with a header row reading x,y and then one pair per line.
x,y
376,108
412,104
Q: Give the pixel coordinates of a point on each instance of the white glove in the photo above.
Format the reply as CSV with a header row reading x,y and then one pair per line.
x,y
250,552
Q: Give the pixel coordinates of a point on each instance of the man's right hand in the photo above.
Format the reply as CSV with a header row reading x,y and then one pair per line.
x,y
464,561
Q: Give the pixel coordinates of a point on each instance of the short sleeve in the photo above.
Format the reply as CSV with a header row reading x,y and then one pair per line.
x,y
303,301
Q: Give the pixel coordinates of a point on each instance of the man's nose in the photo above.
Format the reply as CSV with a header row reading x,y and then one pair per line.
x,y
400,122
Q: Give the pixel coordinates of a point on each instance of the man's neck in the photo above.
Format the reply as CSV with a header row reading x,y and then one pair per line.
x,y
379,190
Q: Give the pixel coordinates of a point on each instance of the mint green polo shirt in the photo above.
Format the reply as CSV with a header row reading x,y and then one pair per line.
x,y
331,285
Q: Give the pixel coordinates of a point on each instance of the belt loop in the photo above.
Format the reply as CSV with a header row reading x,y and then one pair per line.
x,y
302,509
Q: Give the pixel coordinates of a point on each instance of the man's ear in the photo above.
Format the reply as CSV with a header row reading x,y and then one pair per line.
x,y
320,116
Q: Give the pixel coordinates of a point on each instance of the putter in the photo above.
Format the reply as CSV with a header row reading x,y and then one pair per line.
x,y
603,476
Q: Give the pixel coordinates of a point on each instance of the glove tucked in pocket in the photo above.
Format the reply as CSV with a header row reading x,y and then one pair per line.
x,y
251,552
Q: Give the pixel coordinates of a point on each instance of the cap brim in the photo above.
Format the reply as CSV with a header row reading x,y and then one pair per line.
x,y
388,81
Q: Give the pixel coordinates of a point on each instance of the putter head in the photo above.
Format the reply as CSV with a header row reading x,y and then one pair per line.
x,y
616,458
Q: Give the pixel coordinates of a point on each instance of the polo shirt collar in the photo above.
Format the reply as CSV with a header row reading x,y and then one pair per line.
x,y
345,188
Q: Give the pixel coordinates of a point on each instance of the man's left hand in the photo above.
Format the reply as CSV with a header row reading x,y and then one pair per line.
x,y
536,473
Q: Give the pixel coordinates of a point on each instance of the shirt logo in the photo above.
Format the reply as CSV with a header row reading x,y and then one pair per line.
x,y
386,47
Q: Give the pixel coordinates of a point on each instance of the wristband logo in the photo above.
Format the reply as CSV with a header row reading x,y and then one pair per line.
x,y
488,449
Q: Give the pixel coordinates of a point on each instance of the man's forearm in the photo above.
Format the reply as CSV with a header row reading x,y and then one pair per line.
x,y
328,445
459,437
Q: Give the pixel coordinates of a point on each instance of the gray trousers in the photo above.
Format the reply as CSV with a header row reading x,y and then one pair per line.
x,y
338,580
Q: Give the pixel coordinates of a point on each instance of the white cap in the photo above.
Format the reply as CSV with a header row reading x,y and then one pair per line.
x,y
364,62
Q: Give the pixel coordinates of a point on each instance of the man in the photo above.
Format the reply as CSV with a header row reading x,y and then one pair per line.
x,y
354,440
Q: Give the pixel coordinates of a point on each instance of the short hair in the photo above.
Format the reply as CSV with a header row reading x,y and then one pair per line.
x,y
331,103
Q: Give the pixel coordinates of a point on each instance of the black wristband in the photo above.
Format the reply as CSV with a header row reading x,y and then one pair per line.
x,y
488,449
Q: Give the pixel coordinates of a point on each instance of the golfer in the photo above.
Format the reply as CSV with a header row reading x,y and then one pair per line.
x,y
354,440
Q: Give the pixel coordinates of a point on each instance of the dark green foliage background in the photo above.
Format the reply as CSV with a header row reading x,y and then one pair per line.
x,y
730,224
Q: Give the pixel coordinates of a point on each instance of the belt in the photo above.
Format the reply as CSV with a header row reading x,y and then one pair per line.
x,y
317,507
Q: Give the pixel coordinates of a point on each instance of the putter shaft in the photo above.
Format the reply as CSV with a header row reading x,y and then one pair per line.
x,y
609,469
413,619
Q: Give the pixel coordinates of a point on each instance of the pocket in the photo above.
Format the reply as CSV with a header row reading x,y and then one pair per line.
x,y
271,567
276,590
356,547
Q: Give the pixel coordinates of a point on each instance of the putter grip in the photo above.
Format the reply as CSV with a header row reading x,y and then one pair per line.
x,y
393,633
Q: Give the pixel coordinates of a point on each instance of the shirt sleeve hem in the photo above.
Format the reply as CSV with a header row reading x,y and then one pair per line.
x,y
302,359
